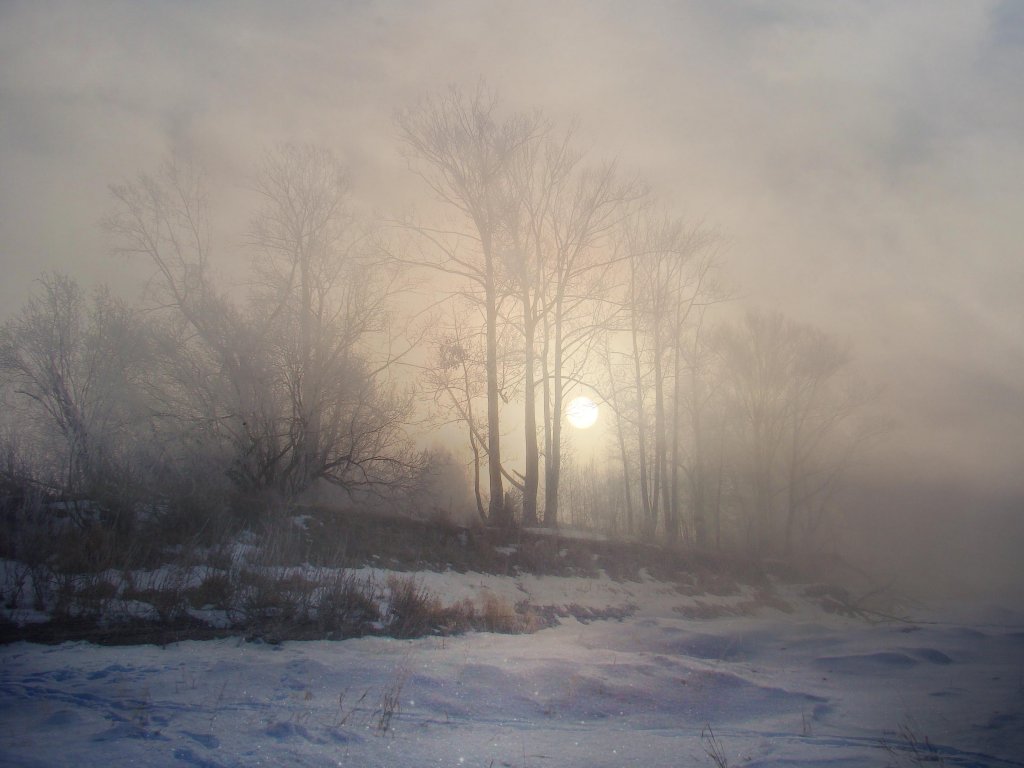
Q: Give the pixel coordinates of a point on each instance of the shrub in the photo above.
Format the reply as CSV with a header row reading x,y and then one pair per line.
x,y
283,597
498,615
216,590
412,610
347,605
165,592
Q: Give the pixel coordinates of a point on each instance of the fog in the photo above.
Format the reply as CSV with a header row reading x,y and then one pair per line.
x,y
862,164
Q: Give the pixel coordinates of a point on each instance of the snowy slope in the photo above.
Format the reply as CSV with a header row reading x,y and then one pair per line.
x,y
778,689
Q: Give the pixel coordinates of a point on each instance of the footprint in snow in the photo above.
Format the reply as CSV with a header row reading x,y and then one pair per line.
x,y
283,730
932,655
207,740
62,718
186,755
106,672
129,731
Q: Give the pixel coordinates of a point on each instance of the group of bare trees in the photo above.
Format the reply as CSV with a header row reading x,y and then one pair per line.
x,y
551,274
563,276
528,250
270,389
291,379
798,422
736,434
669,282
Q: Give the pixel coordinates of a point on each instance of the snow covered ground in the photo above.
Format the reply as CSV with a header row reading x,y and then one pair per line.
x,y
776,688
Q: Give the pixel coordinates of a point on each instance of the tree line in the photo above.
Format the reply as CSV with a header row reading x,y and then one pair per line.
x,y
548,273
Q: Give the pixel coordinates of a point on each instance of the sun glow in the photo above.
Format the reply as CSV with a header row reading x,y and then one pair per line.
x,y
582,412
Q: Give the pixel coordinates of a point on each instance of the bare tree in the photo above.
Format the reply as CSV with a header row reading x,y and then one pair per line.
x,y
76,365
826,429
691,275
285,379
615,400
558,214
796,422
571,239
452,380
669,280
705,465
321,304
759,356
164,219
460,146
214,384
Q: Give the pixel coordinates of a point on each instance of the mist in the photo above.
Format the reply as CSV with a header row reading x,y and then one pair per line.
x,y
859,169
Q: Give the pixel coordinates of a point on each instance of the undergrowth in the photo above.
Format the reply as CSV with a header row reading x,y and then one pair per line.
x,y
268,603
290,575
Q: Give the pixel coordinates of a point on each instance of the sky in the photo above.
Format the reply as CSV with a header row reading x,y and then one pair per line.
x,y
862,161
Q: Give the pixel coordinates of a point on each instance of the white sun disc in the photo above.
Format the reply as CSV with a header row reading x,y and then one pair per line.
x,y
581,412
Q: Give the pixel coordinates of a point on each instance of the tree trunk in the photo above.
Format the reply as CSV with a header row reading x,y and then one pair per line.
x,y
621,434
497,513
649,522
554,460
660,448
530,479
699,491
673,508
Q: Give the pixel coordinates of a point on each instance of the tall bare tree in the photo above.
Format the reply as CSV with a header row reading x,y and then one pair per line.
x,y
586,205
559,212
464,150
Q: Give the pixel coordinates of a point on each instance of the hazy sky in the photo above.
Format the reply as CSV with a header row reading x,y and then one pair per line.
x,y
863,160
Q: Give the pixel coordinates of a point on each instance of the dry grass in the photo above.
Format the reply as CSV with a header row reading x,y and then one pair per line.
x,y
412,610
911,749
390,703
498,615
713,747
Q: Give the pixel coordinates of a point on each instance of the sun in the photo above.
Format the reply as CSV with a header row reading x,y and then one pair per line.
x,y
582,412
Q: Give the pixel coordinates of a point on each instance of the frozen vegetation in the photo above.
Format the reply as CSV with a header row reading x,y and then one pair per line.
x,y
691,672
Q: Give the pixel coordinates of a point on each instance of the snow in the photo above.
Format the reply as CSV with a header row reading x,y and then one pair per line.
x,y
797,688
